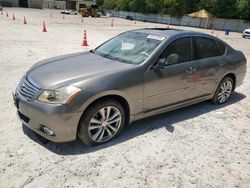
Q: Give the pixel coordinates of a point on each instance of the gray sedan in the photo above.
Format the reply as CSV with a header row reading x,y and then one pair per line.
x,y
134,75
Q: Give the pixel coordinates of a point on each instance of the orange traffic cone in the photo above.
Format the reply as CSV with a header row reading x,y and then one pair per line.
x,y
24,20
14,17
112,22
7,15
84,42
44,27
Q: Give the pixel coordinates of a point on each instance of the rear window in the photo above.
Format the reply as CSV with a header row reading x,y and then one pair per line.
x,y
207,48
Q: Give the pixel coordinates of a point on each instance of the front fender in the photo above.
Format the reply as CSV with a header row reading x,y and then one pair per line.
x,y
88,102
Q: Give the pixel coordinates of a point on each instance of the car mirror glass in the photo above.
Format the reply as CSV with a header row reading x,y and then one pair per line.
x,y
161,62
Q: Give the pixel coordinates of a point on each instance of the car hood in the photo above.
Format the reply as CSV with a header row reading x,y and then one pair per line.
x,y
68,69
248,30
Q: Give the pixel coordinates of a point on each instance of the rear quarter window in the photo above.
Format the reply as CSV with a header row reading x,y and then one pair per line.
x,y
221,47
207,48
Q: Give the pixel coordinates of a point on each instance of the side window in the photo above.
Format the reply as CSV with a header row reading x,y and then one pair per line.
x,y
221,48
205,48
178,51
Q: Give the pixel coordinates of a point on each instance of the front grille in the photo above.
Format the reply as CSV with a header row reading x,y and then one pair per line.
x,y
27,89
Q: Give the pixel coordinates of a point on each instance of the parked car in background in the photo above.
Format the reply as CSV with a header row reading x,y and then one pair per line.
x,y
246,33
69,11
129,18
134,75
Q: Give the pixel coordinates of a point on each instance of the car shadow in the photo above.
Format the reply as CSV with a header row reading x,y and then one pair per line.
x,y
141,127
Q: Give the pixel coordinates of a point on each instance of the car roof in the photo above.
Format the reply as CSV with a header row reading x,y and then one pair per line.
x,y
165,32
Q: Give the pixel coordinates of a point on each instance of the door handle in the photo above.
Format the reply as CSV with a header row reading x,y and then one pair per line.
x,y
221,63
190,70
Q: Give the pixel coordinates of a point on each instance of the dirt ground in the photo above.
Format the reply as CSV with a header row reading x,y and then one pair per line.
x,y
203,145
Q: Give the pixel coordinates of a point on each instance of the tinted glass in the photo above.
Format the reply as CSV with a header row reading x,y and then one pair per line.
x,y
206,48
221,48
178,51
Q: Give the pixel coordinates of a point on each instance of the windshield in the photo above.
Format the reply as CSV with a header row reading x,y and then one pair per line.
x,y
129,47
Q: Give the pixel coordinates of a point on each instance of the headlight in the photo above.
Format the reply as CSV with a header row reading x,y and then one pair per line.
x,y
63,95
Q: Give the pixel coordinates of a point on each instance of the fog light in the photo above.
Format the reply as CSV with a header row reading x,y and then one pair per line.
x,y
47,130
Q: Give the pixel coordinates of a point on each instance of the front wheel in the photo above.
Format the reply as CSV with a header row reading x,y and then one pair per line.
x,y
224,91
102,122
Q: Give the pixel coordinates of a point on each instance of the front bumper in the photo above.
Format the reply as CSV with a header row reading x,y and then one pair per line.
x,y
36,115
246,35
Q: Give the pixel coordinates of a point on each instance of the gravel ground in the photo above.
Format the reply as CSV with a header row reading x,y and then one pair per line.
x,y
199,146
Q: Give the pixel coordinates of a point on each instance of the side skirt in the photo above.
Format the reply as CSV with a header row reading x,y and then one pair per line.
x,y
169,108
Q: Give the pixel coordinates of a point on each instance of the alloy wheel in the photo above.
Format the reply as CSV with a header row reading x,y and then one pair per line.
x,y
104,124
225,91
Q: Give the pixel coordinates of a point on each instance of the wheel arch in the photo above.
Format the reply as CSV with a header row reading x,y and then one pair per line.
x,y
231,75
119,98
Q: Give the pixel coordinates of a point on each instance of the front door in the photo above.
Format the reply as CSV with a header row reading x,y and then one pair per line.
x,y
171,83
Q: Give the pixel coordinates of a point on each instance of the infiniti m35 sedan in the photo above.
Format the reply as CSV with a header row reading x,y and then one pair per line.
x,y
134,75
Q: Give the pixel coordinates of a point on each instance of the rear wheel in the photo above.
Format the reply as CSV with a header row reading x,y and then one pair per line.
x,y
223,91
102,122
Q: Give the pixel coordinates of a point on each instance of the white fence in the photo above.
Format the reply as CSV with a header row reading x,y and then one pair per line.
x,y
216,23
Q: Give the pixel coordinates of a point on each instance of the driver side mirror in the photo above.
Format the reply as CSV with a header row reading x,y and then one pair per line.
x,y
171,59
161,63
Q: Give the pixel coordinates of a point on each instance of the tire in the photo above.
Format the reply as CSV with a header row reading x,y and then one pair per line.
x,y
101,123
221,95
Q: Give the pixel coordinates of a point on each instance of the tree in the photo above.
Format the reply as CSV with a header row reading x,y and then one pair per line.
x,y
220,8
123,5
226,9
137,6
109,4
153,6
209,5
99,2
243,7
173,7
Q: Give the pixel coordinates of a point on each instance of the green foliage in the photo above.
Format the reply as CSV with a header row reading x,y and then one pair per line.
x,y
99,3
226,9
137,6
153,6
243,7
109,4
220,8
123,5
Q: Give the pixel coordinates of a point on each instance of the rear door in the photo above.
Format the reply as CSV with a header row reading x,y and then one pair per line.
x,y
172,83
209,55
